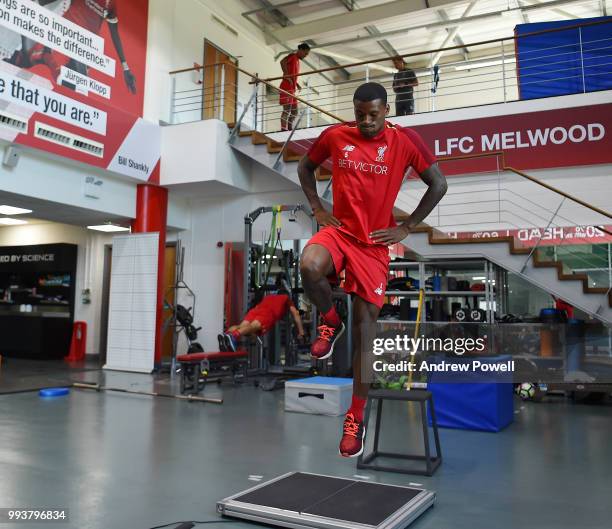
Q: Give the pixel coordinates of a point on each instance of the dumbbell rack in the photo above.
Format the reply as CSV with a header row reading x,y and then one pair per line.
x,y
488,271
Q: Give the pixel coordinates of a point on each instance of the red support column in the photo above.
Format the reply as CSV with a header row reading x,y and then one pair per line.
x,y
151,216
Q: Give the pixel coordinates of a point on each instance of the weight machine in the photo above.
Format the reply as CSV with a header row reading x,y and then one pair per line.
x,y
265,262
182,318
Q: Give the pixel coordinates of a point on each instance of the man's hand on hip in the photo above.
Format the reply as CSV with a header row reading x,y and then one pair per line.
x,y
325,218
390,235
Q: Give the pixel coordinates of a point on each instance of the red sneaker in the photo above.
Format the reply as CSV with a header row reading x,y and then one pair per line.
x,y
323,347
353,434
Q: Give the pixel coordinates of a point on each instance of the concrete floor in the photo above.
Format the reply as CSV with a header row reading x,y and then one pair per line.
x,y
132,462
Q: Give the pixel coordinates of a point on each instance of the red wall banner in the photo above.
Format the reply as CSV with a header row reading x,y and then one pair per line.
x,y
534,140
72,77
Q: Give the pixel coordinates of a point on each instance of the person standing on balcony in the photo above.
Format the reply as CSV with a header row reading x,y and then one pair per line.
x,y
370,157
291,69
404,82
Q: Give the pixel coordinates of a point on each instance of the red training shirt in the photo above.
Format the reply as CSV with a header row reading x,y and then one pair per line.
x,y
368,173
293,68
90,14
275,304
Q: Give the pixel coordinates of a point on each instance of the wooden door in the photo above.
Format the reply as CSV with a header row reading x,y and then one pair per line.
x,y
220,84
170,298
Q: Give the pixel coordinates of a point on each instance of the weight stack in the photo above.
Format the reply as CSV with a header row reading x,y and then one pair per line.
x,y
437,310
405,309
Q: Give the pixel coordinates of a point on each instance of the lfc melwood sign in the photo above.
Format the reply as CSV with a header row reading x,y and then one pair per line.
x,y
534,140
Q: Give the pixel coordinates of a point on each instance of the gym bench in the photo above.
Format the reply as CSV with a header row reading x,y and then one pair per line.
x,y
196,368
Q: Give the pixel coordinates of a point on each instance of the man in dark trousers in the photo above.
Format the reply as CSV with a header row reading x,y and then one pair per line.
x,y
404,82
370,157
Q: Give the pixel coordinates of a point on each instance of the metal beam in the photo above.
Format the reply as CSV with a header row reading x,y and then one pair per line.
x,y
357,18
604,8
372,30
473,19
442,15
269,7
285,21
331,62
524,16
561,12
452,33
343,57
384,44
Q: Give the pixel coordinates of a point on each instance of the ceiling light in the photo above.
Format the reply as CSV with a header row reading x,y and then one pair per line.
x,y
10,210
483,64
108,228
478,278
12,222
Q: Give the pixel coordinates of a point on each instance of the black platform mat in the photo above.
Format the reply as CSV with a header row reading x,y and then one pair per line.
x,y
296,492
341,499
366,503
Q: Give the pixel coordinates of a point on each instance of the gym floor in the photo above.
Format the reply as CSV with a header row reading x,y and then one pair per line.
x,y
135,462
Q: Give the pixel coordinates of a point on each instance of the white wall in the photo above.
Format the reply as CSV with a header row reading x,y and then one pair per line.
x,y
221,219
90,263
59,180
53,179
177,29
179,214
199,152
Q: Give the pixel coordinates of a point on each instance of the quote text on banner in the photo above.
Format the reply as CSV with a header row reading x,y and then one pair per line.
x,y
46,27
47,102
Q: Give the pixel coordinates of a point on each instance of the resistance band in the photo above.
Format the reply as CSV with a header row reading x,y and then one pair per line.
x,y
273,242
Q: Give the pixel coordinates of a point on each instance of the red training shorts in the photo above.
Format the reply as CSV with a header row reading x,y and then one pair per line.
x,y
285,99
366,265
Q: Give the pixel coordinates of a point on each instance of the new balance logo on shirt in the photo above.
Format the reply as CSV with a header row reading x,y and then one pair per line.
x,y
379,290
347,149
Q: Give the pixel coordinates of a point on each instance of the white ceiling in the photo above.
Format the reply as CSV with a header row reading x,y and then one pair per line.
x,y
431,30
43,210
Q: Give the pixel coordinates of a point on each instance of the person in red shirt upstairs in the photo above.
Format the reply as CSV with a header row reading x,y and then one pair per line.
x,y
370,157
261,318
291,69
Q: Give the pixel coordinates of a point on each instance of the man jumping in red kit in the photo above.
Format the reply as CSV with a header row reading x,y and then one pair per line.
x,y
370,157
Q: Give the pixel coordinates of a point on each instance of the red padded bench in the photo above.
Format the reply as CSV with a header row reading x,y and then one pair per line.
x,y
196,367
